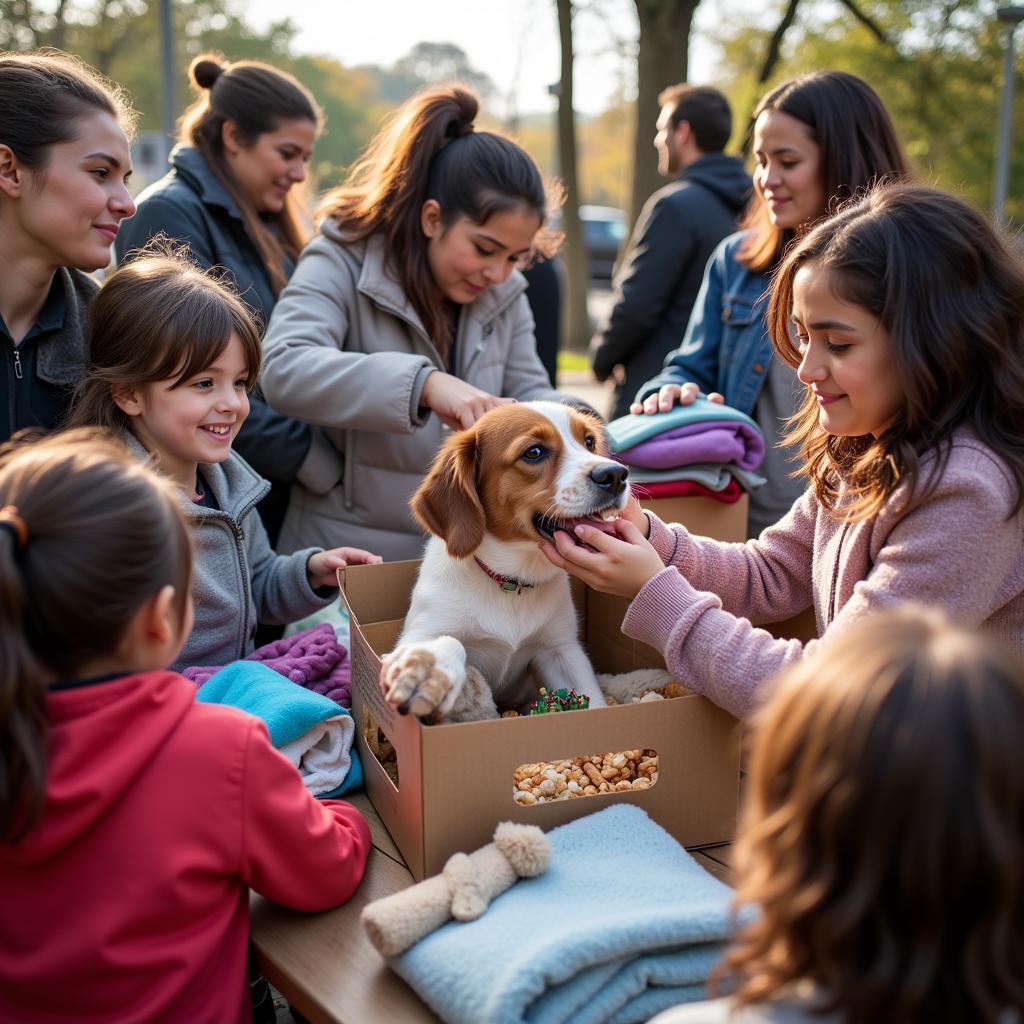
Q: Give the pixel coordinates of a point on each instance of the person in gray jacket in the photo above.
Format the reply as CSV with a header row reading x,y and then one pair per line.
x,y
173,354
406,316
676,233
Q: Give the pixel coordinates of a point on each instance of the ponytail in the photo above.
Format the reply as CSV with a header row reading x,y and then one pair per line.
x,y
94,534
430,149
22,703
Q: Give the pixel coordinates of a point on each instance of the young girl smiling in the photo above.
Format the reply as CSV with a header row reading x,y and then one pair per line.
x,y
174,355
907,320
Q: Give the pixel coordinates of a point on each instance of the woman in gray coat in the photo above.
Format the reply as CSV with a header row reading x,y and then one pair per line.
x,y
407,316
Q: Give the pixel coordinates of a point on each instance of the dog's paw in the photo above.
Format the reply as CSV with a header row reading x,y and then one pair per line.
x,y
424,678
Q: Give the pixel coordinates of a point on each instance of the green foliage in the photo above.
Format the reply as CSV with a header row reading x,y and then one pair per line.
x,y
121,38
940,75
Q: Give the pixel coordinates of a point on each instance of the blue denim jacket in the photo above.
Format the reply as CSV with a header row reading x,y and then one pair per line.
x,y
726,347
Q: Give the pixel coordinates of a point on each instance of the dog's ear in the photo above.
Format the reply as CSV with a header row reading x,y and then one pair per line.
x,y
446,503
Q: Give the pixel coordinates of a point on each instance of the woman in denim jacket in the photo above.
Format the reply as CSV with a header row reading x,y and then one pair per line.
x,y
818,139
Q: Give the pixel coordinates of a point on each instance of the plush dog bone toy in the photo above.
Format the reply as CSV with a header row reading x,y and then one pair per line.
x,y
463,890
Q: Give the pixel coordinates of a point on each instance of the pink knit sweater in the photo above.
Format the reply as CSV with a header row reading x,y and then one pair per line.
x,y
960,550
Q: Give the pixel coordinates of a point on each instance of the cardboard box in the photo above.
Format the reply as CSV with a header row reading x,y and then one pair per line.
x,y
455,781
704,516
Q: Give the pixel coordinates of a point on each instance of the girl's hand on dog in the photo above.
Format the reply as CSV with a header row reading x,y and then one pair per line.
x,y
458,404
322,567
620,565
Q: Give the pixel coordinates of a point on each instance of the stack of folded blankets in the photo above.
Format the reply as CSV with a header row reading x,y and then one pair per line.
x,y
621,925
313,658
300,686
702,449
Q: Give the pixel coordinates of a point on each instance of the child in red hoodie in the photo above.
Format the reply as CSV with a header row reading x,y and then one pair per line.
x,y
132,819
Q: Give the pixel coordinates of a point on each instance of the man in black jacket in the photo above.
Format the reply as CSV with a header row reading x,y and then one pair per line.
x,y
678,229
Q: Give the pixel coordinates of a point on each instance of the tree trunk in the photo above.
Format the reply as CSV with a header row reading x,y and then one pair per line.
x,y
577,321
662,60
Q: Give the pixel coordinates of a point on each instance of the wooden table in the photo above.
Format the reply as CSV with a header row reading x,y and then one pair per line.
x,y
325,965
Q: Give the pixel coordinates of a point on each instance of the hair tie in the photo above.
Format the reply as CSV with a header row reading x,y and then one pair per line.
x,y
11,520
456,127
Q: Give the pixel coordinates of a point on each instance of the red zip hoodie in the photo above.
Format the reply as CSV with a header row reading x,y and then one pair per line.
x,y
128,900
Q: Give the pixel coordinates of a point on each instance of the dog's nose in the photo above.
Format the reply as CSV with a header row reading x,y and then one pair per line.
x,y
610,477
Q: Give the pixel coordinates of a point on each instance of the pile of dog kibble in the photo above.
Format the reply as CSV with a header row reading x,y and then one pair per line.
x,y
585,776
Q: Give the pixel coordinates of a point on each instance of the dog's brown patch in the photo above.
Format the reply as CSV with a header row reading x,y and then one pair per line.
x,y
480,480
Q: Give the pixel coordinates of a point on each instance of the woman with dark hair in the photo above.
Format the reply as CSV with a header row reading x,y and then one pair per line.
x,y
408,303
883,835
231,197
64,162
818,139
903,317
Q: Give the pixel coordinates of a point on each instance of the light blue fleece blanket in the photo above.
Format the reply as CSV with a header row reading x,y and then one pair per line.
x,y
623,924
311,730
627,431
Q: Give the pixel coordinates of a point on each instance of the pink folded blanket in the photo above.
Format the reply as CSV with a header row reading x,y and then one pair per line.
x,y
688,489
313,658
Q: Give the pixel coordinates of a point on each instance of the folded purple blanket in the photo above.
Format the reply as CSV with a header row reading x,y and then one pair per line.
x,y
709,441
313,658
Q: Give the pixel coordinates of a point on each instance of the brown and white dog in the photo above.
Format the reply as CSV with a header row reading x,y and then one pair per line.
x,y
491,619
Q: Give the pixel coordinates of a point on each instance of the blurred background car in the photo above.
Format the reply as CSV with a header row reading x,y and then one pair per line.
x,y
604,231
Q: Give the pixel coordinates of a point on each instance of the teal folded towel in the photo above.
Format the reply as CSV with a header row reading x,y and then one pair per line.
x,y
713,475
311,730
627,431
623,924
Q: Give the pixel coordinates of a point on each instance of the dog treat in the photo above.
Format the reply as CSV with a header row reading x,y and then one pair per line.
x,y
561,700
380,746
585,776
463,890
666,692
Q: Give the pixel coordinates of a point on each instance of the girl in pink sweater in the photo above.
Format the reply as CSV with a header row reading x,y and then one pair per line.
x,y
904,317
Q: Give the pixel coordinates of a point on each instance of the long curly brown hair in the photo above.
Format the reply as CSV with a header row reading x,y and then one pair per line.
x,y
949,293
883,837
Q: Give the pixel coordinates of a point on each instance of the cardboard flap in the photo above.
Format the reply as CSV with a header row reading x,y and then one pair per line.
x,y
377,592
382,636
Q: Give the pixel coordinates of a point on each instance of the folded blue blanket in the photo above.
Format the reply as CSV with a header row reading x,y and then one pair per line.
x,y
627,431
623,924
712,475
292,714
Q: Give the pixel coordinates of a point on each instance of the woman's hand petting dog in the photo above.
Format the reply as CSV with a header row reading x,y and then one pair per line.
x,y
458,404
619,565
321,568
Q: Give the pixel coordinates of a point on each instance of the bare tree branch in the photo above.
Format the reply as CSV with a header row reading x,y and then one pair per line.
x,y
872,26
771,57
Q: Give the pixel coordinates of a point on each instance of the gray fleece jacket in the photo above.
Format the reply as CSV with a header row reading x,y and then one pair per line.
x,y
237,579
346,351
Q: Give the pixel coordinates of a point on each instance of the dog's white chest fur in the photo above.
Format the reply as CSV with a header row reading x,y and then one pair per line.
x,y
501,631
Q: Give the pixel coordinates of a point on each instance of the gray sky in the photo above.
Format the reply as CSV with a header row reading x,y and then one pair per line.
x,y
513,41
